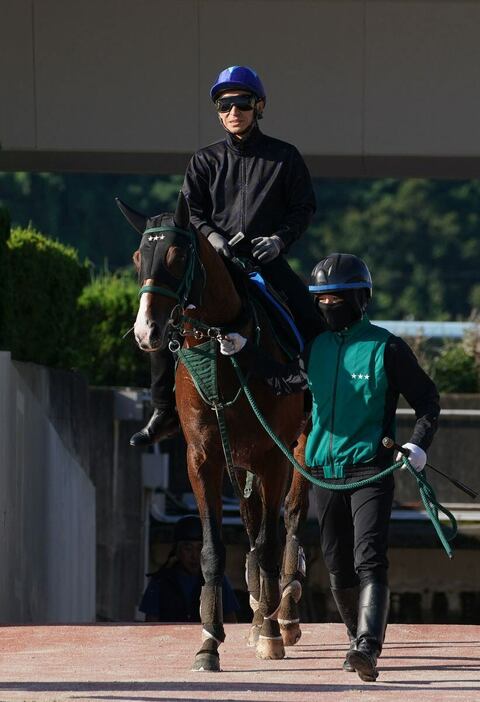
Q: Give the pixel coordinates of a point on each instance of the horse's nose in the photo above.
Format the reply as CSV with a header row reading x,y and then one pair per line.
x,y
154,331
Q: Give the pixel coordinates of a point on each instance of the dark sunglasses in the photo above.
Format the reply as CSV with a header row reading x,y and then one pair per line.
x,y
244,103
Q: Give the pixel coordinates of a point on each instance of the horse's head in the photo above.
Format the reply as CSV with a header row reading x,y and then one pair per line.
x,y
165,262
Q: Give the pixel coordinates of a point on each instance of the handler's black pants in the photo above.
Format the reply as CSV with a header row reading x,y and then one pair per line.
x,y
279,274
354,532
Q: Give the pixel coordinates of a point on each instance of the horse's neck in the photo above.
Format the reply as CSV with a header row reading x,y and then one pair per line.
x,y
221,303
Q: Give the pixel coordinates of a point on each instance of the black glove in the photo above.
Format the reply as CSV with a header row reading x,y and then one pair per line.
x,y
220,244
266,248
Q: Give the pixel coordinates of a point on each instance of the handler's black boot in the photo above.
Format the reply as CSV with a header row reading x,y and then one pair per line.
x,y
346,600
372,621
162,425
164,421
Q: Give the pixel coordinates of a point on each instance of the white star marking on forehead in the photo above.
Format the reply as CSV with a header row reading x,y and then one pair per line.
x,y
156,237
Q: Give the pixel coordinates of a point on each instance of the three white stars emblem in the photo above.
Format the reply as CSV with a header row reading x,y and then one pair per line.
x,y
156,237
360,376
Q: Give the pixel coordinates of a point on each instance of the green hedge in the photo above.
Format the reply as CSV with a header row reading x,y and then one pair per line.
x,y
40,307
52,313
456,370
107,308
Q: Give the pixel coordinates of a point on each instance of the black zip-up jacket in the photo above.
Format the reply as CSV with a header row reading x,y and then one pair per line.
x,y
258,185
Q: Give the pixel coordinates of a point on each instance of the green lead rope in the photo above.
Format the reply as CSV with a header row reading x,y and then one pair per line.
x,y
427,494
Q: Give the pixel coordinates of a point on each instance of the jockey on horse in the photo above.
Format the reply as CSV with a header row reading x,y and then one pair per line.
x,y
249,183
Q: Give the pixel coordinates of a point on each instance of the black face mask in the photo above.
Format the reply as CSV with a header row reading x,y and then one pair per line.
x,y
340,315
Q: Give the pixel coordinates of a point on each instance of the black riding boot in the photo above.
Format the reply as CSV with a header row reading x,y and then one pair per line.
x,y
347,605
164,421
372,621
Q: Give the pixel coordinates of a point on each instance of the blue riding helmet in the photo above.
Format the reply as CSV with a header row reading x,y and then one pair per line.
x,y
238,78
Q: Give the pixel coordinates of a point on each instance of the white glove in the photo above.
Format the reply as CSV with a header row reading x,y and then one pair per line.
x,y
417,457
266,248
232,343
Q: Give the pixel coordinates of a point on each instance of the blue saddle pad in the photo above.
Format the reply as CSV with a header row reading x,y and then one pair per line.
x,y
260,284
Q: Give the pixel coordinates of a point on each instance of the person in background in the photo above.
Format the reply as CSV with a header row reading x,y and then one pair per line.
x,y
173,593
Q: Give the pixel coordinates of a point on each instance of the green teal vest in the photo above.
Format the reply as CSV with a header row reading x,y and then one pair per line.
x,y
347,379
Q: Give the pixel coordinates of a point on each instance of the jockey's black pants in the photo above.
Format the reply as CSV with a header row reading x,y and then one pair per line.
x,y
354,532
279,274
162,365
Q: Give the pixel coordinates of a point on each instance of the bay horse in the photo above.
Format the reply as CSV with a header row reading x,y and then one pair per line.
x,y
182,277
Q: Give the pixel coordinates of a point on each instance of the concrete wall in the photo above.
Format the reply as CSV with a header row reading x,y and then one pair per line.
x,y
455,450
47,502
363,87
117,474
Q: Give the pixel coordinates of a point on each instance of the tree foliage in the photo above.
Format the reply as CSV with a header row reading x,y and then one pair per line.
x,y
79,209
53,314
421,238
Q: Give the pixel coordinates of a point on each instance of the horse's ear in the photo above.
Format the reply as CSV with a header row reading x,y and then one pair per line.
x,y
182,212
137,220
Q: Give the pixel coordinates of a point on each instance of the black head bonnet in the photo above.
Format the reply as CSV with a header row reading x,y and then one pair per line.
x,y
154,247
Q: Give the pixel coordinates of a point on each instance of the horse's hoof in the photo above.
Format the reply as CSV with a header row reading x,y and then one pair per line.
x,y
291,633
207,661
270,648
253,636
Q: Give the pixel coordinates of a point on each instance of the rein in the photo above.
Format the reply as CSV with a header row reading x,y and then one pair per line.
x,y
427,494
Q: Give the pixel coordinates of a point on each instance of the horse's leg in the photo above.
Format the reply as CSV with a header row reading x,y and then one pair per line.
x,y
206,480
270,643
251,511
293,567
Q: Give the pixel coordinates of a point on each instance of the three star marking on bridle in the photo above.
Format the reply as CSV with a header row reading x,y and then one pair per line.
x,y
156,237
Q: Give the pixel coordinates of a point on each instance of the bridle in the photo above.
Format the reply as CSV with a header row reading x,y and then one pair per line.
x,y
183,290
179,321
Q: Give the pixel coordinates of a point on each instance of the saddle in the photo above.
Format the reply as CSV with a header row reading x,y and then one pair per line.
x,y
249,281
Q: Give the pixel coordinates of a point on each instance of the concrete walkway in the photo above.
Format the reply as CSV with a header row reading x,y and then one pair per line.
x,y
152,662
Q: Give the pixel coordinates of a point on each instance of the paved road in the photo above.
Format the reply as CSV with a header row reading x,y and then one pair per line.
x,y
141,663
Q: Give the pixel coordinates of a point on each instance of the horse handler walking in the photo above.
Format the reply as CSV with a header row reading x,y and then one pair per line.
x,y
355,372
247,183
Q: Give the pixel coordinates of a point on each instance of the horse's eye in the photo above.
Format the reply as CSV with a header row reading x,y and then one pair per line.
x,y
175,261
137,259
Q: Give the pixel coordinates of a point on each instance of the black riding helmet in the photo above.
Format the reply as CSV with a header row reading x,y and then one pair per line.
x,y
338,272
188,529
348,277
